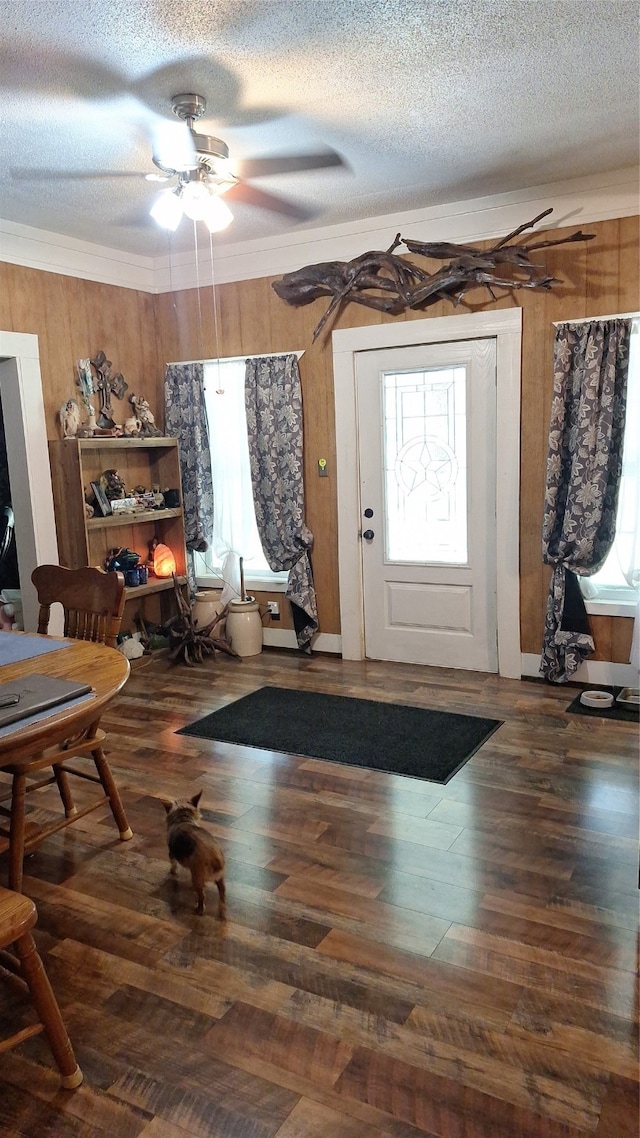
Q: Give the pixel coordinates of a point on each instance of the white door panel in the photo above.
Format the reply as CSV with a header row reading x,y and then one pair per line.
x,y
426,441
429,607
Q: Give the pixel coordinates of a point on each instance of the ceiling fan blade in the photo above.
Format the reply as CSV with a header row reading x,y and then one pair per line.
x,y
250,195
287,164
35,175
134,218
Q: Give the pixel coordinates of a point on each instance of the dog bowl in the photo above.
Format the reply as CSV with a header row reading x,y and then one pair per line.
x,y
597,699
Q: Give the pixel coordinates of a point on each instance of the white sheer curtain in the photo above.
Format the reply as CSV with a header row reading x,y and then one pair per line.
x,y
235,533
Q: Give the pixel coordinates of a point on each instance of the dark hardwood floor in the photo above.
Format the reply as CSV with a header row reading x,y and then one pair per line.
x,y
400,960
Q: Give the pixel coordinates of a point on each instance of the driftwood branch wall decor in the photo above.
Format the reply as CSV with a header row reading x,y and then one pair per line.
x,y
390,283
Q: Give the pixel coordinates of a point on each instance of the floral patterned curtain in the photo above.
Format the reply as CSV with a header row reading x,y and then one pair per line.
x,y
186,420
273,399
591,363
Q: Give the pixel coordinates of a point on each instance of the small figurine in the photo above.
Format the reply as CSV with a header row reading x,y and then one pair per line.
x,y
113,484
87,390
143,413
69,419
132,427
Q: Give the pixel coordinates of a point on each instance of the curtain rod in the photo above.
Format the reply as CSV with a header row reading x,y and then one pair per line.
x,y
590,319
232,359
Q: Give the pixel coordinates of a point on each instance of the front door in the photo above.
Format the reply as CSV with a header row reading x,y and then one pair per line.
x,y
427,445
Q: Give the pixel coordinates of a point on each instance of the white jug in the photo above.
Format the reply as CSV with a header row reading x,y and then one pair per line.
x,y
244,627
205,608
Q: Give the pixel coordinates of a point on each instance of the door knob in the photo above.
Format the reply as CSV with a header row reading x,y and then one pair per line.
x,y
368,535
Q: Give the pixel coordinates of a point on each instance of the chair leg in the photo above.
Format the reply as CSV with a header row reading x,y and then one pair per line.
x,y
16,832
48,1011
62,779
111,790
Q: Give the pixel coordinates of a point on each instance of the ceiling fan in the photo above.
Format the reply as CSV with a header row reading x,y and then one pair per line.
x,y
206,180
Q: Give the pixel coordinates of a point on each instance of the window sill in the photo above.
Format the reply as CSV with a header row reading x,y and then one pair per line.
x,y
251,584
611,608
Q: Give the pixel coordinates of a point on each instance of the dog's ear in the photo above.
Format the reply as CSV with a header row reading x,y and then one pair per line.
x,y
168,806
196,798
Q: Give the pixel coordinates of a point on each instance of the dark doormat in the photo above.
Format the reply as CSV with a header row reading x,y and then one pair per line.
x,y
618,711
392,737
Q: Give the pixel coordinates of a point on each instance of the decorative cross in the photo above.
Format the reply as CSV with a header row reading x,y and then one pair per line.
x,y
106,384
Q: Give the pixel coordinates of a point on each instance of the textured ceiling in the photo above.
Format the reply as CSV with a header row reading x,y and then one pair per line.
x,y
429,102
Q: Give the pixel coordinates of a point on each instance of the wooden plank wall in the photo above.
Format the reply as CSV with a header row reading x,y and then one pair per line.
x,y
599,278
73,319
140,333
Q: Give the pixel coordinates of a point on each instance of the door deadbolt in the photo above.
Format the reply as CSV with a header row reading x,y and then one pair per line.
x,y
368,535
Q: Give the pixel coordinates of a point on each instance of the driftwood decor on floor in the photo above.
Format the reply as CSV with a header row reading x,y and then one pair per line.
x,y
189,644
391,283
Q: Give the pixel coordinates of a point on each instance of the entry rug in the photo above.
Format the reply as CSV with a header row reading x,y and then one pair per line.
x,y
624,711
391,737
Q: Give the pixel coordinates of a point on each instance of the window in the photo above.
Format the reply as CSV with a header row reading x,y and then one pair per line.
x,y
617,582
425,436
235,532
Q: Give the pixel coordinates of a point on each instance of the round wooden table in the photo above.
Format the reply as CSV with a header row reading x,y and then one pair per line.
x,y
104,668
25,751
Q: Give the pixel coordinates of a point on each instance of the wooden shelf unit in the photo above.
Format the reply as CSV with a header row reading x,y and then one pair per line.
x,y
75,463
136,516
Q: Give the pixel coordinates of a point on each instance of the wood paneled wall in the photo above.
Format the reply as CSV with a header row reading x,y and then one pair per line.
x,y
73,319
140,333
599,278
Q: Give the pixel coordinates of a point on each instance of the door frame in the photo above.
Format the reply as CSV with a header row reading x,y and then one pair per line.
x,y
29,469
505,326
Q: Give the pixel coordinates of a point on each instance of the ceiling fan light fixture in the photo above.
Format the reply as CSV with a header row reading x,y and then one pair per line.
x,y
167,210
218,215
195,198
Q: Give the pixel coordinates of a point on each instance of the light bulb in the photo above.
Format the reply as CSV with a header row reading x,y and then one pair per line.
x,y
167,210
218,215
195,200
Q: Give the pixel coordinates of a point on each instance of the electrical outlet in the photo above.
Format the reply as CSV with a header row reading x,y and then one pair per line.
x,y
273,608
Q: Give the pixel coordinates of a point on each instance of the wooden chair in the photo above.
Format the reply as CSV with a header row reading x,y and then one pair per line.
x,y
93,602
18,915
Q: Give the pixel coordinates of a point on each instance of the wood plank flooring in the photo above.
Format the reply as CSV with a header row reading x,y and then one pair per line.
x,y
400,960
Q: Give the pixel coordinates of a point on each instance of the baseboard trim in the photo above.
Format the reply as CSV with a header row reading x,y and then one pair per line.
x,y
286,638
591,672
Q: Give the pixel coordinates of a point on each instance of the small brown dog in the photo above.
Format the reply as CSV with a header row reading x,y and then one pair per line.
x,y
193,847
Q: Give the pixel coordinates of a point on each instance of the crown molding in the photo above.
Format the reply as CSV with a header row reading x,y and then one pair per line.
x,y
601,197
57,253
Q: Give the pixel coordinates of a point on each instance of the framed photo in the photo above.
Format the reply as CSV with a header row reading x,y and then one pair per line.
x,y
103,505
